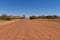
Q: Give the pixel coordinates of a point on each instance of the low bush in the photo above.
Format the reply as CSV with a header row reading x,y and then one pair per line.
x,y
43,17
32,17
5,18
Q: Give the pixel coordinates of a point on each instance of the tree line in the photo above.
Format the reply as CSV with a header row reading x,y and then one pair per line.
x,y
44,17
6,17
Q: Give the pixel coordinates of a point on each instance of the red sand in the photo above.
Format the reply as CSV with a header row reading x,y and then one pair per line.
x,y
31,30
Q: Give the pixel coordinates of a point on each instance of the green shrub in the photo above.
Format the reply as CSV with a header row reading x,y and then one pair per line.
x,y
8,19
32,17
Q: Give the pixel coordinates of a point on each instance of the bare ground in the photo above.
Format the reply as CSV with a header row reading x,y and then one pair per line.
x,y
30,30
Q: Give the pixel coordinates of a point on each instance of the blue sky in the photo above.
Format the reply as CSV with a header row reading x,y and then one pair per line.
x,y
30,7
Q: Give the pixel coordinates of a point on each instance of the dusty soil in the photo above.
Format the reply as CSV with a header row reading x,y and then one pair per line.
x,y
30,30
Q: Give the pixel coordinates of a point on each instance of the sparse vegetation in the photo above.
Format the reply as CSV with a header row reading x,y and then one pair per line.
x,y
23,17
32,17
6,17
44,17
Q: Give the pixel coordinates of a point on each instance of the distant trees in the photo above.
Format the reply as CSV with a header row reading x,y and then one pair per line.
x,y
49,17
24,16
5,17
43,17
32,17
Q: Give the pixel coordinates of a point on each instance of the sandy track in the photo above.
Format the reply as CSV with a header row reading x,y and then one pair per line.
x,y
31,30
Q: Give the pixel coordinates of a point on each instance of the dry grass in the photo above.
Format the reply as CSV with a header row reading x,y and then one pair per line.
x,y
2,22
51,20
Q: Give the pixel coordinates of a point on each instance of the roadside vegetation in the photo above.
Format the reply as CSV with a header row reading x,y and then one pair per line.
x,y
45,17
8,18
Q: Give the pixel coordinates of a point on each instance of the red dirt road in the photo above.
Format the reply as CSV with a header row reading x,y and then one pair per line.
x,y
31,30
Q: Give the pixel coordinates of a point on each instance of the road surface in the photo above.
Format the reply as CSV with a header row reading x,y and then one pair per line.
x,y
30,30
